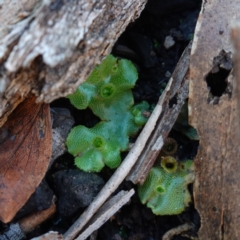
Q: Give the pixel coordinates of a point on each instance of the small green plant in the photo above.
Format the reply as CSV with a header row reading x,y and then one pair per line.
x,y
107,92
165,189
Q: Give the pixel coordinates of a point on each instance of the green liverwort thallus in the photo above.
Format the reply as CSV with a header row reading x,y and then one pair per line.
x,y
165,189
107,92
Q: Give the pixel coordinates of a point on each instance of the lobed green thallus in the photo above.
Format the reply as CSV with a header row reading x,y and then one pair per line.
x,y
107,92
165,189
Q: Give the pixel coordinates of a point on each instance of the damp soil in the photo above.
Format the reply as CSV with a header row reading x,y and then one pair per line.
x,y
154,43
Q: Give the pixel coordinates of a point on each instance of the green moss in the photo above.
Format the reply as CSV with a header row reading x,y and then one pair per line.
x,y
165,189
107,92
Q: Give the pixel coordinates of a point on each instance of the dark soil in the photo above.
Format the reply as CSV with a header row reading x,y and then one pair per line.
x,y
143,43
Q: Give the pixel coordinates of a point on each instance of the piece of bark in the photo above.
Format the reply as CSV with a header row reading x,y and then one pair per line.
x,y
171,102
16,11
54,49
25,151
213,113
235,35
14,232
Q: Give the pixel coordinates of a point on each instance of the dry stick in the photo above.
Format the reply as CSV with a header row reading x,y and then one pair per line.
x,y
106,211
177,94
119,175
124,169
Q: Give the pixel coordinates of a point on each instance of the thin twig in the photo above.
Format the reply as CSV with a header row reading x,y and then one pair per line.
x,y
105,212
176,231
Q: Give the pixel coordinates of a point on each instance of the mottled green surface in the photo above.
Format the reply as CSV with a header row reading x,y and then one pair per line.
x,y
165,189
107,92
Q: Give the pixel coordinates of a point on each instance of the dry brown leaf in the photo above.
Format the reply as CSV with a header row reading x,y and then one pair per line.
x,y
213,112
25,150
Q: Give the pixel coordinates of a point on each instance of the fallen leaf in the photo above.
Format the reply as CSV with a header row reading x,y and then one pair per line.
x,y
25,150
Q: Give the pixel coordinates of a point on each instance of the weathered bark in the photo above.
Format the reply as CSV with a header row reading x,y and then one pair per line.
x,y
235,34
213,112
53,49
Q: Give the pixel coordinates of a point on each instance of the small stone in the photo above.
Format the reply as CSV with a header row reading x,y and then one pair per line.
x,y
40,200
169,42
62,122
76,189
168,74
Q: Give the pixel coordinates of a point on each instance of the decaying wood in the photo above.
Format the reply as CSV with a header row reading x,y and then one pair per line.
x,y
216,187
235,34
171,102
177,231
56,46
14,232
106,212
